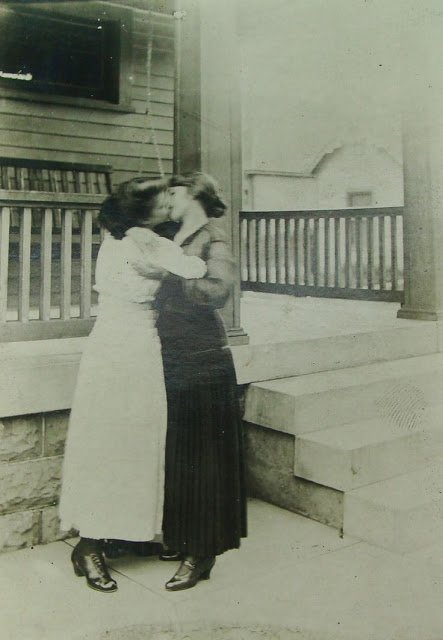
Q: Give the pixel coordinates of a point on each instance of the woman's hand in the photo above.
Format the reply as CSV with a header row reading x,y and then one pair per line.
x,y
197,268
164,254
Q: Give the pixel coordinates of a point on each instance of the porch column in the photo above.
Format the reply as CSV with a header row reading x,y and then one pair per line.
x,y
423,166
208,117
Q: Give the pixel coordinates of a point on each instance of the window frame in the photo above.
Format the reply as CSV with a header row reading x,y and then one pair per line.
x,y
123,16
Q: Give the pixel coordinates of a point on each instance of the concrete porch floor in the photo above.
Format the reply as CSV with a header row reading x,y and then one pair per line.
x,y
271,318
293,579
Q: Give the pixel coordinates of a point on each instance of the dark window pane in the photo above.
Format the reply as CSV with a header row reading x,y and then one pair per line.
x,y
53,54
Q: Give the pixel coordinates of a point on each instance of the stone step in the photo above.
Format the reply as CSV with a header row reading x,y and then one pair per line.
x,y
364,452
400,514
393,390
272,360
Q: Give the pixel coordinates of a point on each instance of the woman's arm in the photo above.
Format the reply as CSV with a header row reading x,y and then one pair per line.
x,y
158,256
213,290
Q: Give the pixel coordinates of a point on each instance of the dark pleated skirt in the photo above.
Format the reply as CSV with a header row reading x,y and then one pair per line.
x,y
205,497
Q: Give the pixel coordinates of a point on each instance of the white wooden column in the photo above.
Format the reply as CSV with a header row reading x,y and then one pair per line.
x,y
423,164
208,115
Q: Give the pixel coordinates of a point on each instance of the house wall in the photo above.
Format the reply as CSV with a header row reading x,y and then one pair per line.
x,y
69,133
36,390
31,457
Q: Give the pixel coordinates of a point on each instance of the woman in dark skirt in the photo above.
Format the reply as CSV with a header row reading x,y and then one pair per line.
x,y
205,499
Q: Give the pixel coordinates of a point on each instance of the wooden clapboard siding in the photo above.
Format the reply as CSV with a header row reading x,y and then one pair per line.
x,y
85,116
70,133
107,132
52,142
121,163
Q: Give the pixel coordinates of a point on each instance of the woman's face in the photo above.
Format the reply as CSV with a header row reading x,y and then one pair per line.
x,y
160,210
180,201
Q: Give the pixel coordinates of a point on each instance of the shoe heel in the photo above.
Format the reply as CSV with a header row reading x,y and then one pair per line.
x,y
77,570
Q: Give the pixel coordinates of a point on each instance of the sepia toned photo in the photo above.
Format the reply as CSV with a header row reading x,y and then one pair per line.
x,y
221,306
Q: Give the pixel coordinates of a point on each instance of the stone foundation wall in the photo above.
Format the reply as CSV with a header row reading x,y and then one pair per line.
x,y
31,455
270,477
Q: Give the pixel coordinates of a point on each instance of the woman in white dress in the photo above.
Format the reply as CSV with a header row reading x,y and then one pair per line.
x,y
113,477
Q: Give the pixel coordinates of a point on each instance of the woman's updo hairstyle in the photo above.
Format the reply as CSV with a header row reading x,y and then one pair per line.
x,y
130,205
205,189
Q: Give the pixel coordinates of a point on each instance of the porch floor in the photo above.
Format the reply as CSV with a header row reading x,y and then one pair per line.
x,y
293,579
270,318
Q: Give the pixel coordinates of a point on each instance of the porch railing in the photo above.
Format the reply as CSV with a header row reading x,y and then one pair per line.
x,y
48,246
346,253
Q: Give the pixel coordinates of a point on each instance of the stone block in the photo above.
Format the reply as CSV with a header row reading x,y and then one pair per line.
x,y
268,446
20,438
50,530
283,489
270,360
308,403
56,428
19,530
270,477
33,483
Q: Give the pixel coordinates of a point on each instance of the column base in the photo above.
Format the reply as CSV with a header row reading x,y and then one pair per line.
x,y
408,313
237,336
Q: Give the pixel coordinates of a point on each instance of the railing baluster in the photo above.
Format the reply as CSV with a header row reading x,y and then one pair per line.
x,y
4,260
248,250
381,251
65,264
296,251
370,250
89,184
315,262
306,251
45,265
257,249
327,250
347,253
287,252
86,264
277,250
11,178
64,181
24,281
267,250
358,251
4,177
20,178
394,253
337,251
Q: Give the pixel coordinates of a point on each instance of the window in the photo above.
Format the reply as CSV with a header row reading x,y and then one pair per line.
x,y
44,53
360,199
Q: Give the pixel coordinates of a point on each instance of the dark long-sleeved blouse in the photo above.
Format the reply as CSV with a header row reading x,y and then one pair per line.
x,y
188,318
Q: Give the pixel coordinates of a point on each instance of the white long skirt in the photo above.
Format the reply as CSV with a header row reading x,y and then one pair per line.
x,y
113,478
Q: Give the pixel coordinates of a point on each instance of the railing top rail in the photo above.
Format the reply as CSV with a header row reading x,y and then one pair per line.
x,y
49,199
29,163
326,213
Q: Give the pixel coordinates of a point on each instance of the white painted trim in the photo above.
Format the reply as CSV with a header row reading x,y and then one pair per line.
x,y
276,174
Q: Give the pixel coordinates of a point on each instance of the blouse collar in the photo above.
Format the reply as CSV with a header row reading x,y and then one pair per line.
x,y
200,222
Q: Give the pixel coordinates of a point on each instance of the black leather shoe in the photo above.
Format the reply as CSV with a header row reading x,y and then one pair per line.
x,y
169,555
92,566
190,572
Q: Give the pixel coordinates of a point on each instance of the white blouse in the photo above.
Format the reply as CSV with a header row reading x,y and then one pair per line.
x,y
131,269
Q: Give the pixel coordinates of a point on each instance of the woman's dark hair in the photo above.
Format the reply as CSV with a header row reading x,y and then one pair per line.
x,y
203,188
130,205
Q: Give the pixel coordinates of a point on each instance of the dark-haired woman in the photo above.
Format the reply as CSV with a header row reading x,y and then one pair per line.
x,y
205,505
113,473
